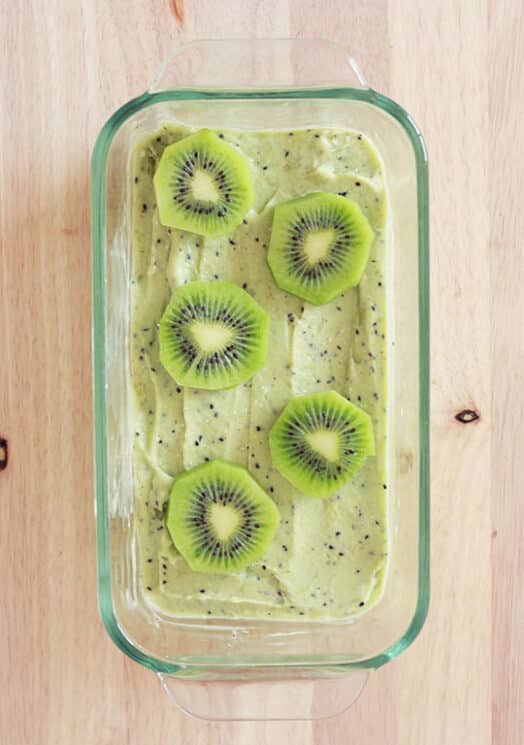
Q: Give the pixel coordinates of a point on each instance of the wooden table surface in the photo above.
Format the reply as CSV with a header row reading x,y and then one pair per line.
x,y
457,67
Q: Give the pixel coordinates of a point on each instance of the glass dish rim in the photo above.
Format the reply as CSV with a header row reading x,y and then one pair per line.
x,y
98,226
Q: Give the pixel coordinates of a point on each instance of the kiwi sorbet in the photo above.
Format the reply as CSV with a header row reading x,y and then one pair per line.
x,y
328,556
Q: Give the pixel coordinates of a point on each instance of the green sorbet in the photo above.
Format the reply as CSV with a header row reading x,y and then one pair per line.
x,y
328,558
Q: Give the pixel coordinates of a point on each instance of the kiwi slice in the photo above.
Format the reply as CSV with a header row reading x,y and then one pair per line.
x,y
320,442
203,185
219,518
212,335
319,246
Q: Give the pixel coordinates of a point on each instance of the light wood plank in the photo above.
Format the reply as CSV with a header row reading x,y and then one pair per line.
x,y
506,165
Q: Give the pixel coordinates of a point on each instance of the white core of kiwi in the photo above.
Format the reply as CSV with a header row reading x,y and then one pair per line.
x,y
325,443
225,520
204,188
317,244
210,336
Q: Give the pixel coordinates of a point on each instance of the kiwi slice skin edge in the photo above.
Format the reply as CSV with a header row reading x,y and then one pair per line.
x,y
320,441
319,246
203,185
219,518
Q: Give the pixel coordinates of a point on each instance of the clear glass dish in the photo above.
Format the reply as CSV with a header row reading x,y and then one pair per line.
x,y
278,669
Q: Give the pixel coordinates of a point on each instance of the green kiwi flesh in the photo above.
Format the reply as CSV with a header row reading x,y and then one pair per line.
x,y
212,335
203,185
319,246
219,518
320,441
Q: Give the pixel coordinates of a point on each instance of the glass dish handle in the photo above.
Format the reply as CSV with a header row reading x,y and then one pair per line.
x,y
260,698
251,64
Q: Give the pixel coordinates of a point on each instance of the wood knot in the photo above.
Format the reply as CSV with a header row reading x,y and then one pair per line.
x,y
467,415
3,453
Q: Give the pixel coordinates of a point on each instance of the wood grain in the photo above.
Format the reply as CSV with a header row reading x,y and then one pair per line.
x,y
457,67
506,163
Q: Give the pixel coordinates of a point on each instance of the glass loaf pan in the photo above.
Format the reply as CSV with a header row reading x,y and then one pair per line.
x,y
265,668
